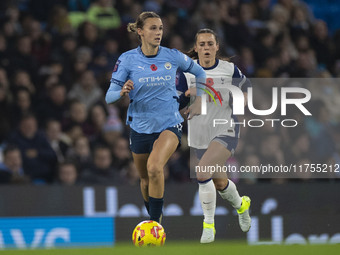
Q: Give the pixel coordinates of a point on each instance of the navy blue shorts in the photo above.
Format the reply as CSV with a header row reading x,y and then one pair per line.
x,y
227,141
141,143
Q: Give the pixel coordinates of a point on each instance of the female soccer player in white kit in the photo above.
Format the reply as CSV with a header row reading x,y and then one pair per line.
x,y
215,145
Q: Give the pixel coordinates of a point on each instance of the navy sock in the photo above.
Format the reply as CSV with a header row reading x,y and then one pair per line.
x,y
225,187
202,182
156,206
147,206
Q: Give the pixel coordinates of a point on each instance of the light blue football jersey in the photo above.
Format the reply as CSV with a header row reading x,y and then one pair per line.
x,y
154,100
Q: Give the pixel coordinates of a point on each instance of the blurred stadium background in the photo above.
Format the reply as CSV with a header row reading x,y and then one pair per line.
x,y
66,173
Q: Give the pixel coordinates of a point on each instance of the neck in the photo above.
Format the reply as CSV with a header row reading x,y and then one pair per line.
x,y
208,63
149,50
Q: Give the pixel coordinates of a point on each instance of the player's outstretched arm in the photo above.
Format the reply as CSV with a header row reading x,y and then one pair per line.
x,y
116,91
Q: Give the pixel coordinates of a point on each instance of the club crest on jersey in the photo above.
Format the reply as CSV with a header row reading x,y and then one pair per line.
x,y
116,66
167,65
153,67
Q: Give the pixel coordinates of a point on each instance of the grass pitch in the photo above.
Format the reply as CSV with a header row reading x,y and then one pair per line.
x,y
188,248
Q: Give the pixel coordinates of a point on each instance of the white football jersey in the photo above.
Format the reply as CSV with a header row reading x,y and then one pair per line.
x,y
218,119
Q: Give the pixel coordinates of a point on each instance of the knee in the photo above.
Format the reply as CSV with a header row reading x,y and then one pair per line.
x,y
220,184
154,171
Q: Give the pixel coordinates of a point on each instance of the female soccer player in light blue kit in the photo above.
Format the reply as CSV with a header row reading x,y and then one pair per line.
x,y
215,145
148,75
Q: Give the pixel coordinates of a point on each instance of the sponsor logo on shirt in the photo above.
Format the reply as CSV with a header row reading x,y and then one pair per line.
x,y
155,80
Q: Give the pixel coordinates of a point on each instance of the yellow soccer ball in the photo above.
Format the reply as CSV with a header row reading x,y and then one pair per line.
x,y
148,233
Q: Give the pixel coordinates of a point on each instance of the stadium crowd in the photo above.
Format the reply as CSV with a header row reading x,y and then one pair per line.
x,y
56,60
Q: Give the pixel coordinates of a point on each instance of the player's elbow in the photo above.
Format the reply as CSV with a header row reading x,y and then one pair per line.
x,y
107,98
201,75
112,96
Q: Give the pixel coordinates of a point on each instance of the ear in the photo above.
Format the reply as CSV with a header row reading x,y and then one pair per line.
x,y
217,47
195,48
139,31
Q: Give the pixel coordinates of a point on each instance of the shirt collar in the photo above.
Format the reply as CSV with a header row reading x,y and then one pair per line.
x,y
139,49
209,68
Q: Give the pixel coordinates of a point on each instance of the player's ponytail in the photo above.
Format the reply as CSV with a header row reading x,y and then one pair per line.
x,y
192,53
132,27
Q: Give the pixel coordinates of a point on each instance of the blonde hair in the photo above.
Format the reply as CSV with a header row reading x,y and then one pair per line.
x,y
132,27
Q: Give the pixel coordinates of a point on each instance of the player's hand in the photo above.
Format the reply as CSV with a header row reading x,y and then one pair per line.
x,y
128,86
190,92
194,109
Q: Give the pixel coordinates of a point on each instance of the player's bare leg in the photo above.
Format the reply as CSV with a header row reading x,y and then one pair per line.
x,y
140,160
162,150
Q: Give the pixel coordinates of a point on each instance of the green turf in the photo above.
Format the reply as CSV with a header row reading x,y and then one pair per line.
x,y
188,248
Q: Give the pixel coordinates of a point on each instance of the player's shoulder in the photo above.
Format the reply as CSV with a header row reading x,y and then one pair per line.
x,y
175,55
129,54
226,64
227,67
170,52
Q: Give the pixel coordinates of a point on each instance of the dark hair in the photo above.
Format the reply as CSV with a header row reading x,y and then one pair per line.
x,y
28,115
191,53
9,148
68,162
132,27
101,147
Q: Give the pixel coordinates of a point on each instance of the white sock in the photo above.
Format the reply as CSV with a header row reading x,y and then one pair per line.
x,y
207,195
231,194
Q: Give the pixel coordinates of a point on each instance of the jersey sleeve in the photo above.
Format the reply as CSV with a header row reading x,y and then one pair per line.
x,y
120,72
113,93
240,80
182,87
118,78
188,65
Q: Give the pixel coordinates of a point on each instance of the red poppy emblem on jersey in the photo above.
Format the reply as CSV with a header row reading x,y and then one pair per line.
x,y
153,67
210,81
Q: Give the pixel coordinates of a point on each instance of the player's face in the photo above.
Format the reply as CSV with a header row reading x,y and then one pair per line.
x,y
206,47
152,31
